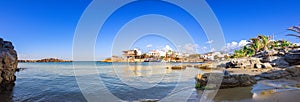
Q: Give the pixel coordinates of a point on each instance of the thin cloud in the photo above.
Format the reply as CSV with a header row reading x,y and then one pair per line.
x,y
149,45
168,48
209,42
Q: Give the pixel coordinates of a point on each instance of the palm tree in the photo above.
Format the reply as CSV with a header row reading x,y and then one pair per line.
x,y
265,40
249,51
245,51
295,29
255,44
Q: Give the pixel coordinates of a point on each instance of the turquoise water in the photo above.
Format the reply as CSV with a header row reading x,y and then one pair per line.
x,y
102,82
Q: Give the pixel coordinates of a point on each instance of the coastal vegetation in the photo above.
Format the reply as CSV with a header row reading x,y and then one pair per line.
x,y
264,43
259,44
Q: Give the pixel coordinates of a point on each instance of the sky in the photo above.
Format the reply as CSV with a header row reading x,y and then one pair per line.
x,y
45,28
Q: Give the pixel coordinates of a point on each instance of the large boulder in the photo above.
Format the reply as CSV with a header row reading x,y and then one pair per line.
x,y
294,51
293,57
8,65
228,81
269,59
244,63
266,53
281,63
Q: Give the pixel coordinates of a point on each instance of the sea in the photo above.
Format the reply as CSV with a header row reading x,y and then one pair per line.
x,y
100,81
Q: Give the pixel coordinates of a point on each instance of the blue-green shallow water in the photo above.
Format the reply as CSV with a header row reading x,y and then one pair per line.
x,y
127,82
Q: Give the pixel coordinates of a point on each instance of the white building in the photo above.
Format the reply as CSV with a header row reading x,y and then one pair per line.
x,y
154,53
162,53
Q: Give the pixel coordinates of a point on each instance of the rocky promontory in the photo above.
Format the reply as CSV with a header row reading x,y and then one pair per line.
x,y
45,60
8,65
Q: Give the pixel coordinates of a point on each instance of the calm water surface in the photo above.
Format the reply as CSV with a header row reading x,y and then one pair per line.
x,y
123,81
90,81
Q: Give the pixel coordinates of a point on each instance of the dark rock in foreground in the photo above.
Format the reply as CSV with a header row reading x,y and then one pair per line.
x,y
272,75
228,81
293,57
8,65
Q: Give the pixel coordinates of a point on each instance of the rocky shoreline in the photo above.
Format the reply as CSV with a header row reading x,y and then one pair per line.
x,y
244,80
243,72
8,65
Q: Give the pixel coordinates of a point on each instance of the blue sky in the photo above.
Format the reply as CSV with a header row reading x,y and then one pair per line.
x,y
45,28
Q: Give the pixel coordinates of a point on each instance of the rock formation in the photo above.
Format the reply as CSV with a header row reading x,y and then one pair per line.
x,y
251,62
267,59
228,81
293,57
287,61
8,65
243,80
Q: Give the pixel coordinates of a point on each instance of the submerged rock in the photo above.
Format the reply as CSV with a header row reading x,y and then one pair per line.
x,y
178,67
8,65
204,66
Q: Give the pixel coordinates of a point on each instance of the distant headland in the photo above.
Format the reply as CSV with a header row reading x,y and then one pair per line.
x,y
45,60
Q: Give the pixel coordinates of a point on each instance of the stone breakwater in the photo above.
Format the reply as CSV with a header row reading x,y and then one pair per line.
x,y
8,65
